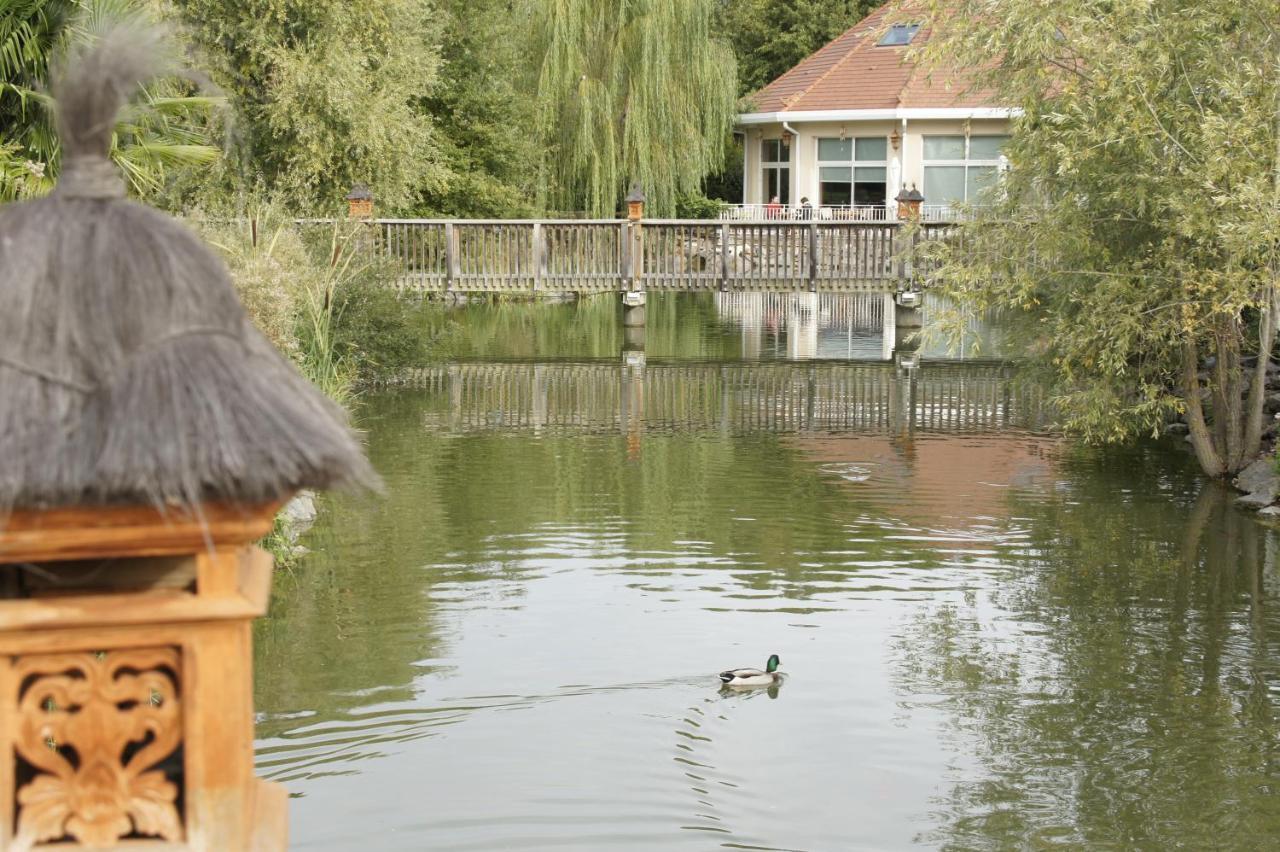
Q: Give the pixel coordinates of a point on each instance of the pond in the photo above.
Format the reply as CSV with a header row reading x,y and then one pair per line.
x,y
992,639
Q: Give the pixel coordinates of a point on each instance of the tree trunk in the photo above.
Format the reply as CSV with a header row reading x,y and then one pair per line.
x,y
1229,417
1201,440
1258,386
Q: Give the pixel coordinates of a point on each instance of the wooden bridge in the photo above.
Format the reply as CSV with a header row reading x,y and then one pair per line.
x,y
784,397
584,256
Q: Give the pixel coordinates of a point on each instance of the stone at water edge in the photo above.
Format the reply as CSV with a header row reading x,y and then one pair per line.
x,y
1260,482
299,514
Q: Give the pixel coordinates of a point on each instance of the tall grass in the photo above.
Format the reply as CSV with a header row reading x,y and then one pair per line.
x,y
289,282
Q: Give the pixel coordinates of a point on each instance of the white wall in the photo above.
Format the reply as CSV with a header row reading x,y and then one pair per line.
x,y
906,163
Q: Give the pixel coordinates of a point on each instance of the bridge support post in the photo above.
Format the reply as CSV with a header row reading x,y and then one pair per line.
x,y
889,320
909,311
633,302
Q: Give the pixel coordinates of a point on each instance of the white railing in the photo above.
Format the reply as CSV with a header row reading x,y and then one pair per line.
x,y
796,212
839,213
941,213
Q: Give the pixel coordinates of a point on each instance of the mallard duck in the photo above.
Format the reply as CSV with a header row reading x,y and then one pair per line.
x,y
754,677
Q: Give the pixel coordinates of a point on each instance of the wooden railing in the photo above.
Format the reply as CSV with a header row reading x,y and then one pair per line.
x,y
601,254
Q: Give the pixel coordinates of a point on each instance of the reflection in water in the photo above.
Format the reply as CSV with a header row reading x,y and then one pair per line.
x,y
798,326
993,641
1127,686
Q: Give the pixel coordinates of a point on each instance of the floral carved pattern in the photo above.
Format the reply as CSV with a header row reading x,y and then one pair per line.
x,y
94,727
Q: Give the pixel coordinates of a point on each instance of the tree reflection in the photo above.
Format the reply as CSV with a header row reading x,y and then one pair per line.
x,y
1120,689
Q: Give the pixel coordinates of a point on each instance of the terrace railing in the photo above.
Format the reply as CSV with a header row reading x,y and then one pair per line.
x,y
823,213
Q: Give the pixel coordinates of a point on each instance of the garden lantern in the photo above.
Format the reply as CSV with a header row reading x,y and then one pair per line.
x,y
635,204
909,202
148,434
360,202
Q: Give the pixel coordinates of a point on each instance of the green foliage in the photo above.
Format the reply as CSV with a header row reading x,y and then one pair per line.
x,y
165,131
326,95
770,37
1136,228
628,91
381,332
483,122
691,206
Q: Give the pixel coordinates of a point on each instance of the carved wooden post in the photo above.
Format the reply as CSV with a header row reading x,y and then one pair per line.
x,y
149,436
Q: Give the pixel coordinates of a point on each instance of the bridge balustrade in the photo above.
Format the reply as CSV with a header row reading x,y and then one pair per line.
x,y
586,255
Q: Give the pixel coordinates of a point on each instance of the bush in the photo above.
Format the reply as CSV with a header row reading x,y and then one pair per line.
x,y
698,207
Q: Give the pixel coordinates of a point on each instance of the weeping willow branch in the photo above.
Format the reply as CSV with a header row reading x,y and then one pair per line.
x,y
628,90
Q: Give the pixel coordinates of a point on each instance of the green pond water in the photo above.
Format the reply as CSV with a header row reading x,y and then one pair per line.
x,y
992,639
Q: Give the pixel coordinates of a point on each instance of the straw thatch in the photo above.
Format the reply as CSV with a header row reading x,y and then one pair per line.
x,y
129,372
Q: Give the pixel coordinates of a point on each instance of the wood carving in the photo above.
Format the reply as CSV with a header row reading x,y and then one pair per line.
x,y
94,726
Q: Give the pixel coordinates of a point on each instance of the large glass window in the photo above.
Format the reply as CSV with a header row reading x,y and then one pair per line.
x,y
852,171
775,159
960,170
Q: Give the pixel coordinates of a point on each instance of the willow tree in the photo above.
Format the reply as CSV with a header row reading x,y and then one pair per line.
x,y
628,91
326,94
1136,232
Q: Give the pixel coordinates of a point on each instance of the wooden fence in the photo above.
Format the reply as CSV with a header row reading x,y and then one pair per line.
x,y
563,255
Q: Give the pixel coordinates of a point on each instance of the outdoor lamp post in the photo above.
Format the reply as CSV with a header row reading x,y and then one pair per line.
x,y
635,203
360,202
909,203
149,433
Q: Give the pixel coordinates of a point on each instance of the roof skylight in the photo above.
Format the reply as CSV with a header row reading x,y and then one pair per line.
x,y
899,34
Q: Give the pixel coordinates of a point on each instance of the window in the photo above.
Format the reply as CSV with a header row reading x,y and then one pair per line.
x,y
958,170
852,171
898,35
775,160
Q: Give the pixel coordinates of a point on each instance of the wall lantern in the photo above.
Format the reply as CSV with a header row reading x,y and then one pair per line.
x,y
895,139
909,202
635,203
148,436
360,202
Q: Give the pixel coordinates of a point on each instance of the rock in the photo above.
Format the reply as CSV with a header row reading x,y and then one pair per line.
x,y
1254,501
1270,511
1260,482
1176,429
299,514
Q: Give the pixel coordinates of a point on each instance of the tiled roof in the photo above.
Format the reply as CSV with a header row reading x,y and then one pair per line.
x,y
853,72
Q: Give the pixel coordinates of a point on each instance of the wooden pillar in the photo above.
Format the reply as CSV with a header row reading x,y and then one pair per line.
x,y
452,265
813,257
159,640
539,254
726,256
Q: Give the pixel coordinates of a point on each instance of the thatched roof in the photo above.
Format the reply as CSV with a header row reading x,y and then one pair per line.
x,y
129,372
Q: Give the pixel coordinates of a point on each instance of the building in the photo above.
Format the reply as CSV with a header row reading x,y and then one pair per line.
x,y
858,121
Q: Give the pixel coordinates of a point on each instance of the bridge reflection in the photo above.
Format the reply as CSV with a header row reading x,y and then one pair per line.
x,y
731,398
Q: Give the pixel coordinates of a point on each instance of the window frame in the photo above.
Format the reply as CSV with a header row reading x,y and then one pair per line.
x,y
1000,163
910,30
781,169
853,164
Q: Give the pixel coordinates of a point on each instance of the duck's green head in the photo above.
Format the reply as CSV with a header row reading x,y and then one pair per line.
x,y
772,665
